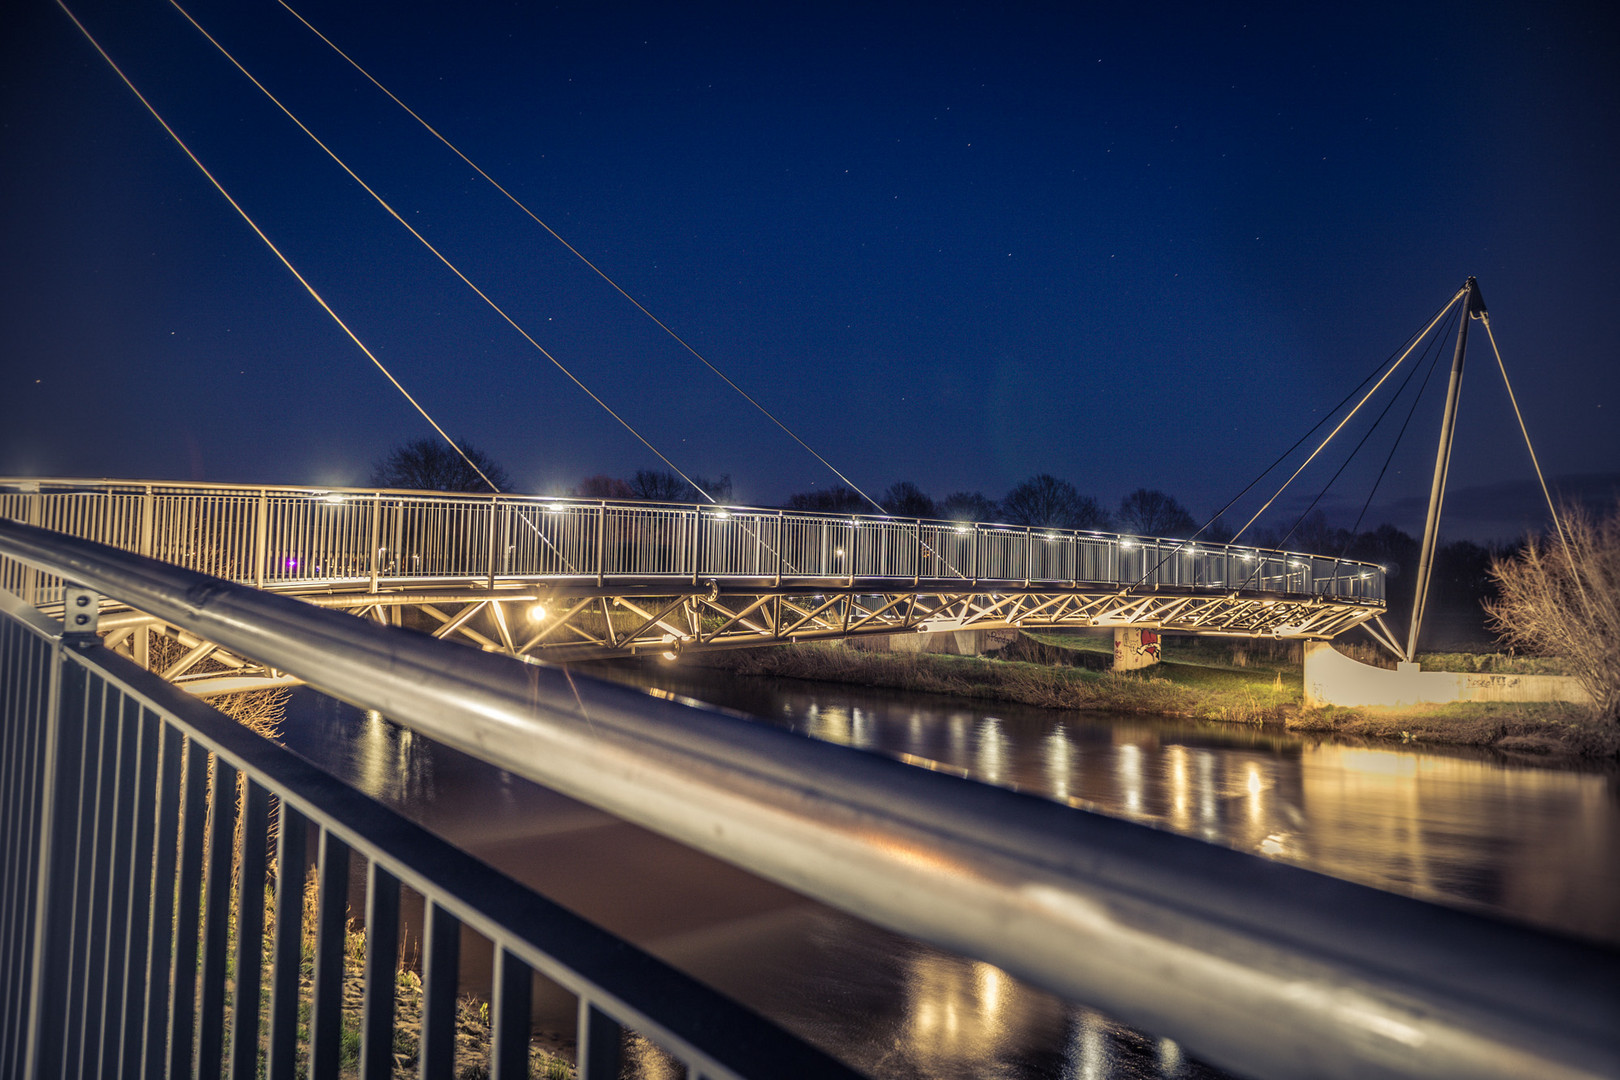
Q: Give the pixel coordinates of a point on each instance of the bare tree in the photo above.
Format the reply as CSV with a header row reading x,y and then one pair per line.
x,y
1153,513
602,486
430,465
1048,502
668,487
905,499
833,500
969,506
1561,597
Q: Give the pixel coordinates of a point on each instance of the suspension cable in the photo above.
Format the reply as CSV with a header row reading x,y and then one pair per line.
x,y
1348,416
318,298
1399,436
1409,344
437,253
1390,404
1563,538
582,257
1557,522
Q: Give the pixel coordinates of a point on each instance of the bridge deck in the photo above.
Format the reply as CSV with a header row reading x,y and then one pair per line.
x,y
569,578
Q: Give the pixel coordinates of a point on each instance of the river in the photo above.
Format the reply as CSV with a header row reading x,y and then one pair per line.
x,y
1525,839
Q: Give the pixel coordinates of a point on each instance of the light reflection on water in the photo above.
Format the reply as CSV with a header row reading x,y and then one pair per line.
x,y
1538,844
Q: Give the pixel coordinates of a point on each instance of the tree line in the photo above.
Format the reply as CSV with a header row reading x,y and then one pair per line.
x,y
1558,595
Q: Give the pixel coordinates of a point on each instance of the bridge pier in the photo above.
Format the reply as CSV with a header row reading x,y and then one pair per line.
x,y
1135,648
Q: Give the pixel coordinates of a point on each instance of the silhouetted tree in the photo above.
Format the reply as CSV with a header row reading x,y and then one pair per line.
x,y
1048,502
1153,513
969,506
668,487
905,499
602,487
1217,531
833,500
430,465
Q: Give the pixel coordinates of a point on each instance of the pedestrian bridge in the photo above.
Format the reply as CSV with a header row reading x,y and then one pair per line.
x,y
571,579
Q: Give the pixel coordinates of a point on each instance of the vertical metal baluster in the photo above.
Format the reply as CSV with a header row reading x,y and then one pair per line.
x,y
121,845
250,933
141,887
15,826
216,919
291,847
59,807
514,999
600,1039
159,940
382,966
441,973
326,1012
90,893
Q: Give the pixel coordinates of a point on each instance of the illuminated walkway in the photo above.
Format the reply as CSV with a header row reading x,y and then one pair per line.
x,y
568,579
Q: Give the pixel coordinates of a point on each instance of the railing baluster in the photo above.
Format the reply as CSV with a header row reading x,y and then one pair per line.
x,y
326,1011
216,921
66,750
160,927
600,1040
90,883
188,902
132,877
441,973
287,961
250,933
382,966
514,997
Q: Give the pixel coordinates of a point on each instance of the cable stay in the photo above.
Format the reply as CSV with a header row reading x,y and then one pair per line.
x,y
274,250
580,256
1434,342
437,253
1391,362
1340,426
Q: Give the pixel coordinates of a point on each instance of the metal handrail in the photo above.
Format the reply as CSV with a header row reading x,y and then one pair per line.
x,y
284,536
1258,966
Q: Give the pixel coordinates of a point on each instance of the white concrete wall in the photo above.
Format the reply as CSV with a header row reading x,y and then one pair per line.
x,y
1334,679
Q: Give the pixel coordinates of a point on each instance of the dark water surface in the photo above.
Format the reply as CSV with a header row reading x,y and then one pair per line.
x,y
1538,844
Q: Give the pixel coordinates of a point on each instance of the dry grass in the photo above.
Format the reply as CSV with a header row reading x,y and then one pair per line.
x,y
1526,728
1169,690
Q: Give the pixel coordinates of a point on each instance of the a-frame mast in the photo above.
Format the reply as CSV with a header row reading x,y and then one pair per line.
x,y
1473,308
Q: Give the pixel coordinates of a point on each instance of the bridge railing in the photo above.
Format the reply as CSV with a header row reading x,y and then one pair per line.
x,y
121,889
1259,966
283,536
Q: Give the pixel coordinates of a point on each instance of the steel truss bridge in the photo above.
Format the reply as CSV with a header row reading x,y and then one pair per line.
x,y
565,579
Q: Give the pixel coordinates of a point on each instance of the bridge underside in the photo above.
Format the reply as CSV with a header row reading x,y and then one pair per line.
x,y
561,623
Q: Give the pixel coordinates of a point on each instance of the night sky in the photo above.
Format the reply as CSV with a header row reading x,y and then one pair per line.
x,y
957,245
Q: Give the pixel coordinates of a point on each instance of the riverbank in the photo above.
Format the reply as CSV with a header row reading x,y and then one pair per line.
x,y
1250,687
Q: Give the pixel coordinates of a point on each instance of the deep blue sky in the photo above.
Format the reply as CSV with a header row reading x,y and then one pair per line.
x,y
952,244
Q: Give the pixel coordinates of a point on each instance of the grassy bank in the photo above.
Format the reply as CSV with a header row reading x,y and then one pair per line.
x,y
1202,679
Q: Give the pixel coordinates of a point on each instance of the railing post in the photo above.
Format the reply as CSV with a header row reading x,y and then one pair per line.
x,y
601,542
261,536
697,541
493,540
376,534
781,527
148,513
916,577
53,873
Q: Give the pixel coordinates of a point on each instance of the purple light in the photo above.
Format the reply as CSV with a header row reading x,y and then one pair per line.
x,y
292,564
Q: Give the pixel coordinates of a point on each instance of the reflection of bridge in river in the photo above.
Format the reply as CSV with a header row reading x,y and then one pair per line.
x,y
568,579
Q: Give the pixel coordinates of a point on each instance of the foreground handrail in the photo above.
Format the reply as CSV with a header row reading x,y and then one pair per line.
x,y
1258,966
